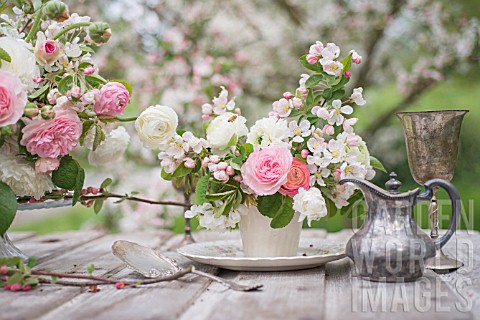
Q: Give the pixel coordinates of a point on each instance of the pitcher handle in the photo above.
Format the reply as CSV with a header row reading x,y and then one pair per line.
x,y
456,206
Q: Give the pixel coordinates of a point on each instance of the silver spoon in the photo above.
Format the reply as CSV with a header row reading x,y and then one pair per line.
x,y
151,264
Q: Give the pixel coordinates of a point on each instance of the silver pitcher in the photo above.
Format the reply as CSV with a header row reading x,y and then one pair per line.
x,y
390,246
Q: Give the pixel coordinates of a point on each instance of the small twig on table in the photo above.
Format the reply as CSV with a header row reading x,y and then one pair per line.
x,y
131,198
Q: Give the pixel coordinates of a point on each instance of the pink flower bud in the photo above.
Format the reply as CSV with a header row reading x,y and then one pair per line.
x,y
337,173
32,200
205,162
207,109
7,286
238,111
297,103
304,153
230,171
89,204
3,270
288,95
189,163
238,178
15,287
92,190
26,288
76,92
222,166
311,59
206,117
273,114
89,70
119,285
347,74
215,159
328,129
37,79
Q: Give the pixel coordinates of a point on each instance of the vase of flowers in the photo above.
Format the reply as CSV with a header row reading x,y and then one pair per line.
x,y
283,170
52,101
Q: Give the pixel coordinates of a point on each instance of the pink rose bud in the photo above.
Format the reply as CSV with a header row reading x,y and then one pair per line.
x,y
206,117
112,100
31,110
47,51
76,92
26,288
205,162
230,171
189,163
347,74
37,79
297,103
288,95
215,159
304,153
47,112
15,287
207,109
311,59
328,129
89,70
238,111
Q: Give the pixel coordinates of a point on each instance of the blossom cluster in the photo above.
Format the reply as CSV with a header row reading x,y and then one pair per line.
x,y
300,151
52,98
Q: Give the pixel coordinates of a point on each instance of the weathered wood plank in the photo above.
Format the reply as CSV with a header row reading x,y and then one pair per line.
x,y
18,236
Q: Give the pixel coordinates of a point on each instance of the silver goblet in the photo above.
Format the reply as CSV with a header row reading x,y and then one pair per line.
x,y
432,139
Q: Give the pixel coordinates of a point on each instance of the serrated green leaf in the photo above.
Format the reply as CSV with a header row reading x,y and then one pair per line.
x,y
97,206
66,175
107,182
4,55
126,84
8,207
201,190
313,67
65,84
39,92
284,215
313,80
181,171
375,163
80,180
269,205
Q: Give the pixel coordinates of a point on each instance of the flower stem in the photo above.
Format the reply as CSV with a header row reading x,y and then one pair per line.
x,y
126,119
132,198
36,25
70,27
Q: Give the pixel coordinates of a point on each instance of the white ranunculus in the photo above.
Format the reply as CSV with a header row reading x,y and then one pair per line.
x,y
310,204
224,127
23,62
268,131
21,177
111,149
156,126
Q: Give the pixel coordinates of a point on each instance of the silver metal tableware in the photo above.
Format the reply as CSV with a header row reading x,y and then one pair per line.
x,y
390,246
432,139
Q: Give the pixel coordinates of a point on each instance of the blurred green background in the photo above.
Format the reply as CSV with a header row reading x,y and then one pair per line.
x,y
394,38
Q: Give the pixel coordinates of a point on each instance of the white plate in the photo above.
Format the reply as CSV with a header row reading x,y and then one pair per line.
x,y
228,254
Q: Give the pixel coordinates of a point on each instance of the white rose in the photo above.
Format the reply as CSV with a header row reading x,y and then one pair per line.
x,y
269,131
111,149
156,126
310,204
224,127
23,62
21,177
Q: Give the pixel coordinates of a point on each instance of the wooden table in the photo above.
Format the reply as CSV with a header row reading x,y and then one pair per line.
x,y
330,292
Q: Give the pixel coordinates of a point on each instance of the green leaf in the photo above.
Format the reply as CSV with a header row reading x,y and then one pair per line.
x,y
8,207
54,279
32,261
181,171
99,137
65,84
327,93
4,55
106,183
95,80
39,92
77,191
166,176
127,85
15,278
269,205
84,64
97,206
347,63
87,125
87,49
313,67
66,175
310,100
337,95
219,196
375,163
341,84
284,215
90,268
30,282
233,141
313,80
226,207
331,208
201,190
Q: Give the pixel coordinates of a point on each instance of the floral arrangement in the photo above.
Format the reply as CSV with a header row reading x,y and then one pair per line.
x,y
53,100
290,161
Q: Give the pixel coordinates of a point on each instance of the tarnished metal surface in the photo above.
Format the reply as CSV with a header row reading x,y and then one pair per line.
x,y
432,142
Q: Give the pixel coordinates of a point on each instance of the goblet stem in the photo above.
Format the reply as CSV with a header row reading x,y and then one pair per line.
x,y
433,214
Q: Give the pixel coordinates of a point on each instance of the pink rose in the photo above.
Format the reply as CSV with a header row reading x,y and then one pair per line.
x,y
112,100
47,51
53,137
13,98
46,165
265,171
298,177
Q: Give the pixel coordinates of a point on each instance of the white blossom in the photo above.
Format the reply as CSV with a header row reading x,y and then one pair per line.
x,y
310,204
269,131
